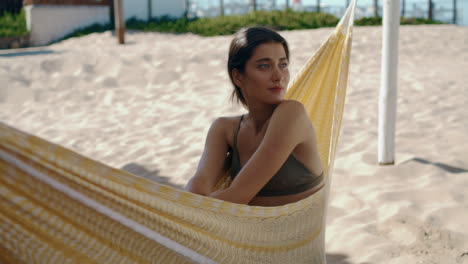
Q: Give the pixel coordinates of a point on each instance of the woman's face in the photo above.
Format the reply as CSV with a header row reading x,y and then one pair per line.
x,y
266,75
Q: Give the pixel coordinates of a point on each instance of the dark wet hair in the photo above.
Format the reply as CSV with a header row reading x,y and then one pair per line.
x,y
242,47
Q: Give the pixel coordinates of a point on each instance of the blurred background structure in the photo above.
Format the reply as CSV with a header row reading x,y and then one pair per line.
x,y
51,20
449,11
11,6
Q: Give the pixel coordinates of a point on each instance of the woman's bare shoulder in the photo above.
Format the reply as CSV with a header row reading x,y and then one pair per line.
x,y
291,116
291,106
290,111
226,124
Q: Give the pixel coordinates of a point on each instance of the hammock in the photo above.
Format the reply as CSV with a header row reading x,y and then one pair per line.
x,y
57,206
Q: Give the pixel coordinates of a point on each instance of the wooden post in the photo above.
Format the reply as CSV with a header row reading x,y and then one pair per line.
x,y
376,8
221,7
454,12
287,4
187,9
111,14
150,10
318,6
430,12
119,21
388,86
403,8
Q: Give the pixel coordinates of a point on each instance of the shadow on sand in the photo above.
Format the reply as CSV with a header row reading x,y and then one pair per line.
x,y
18,52
340,259
154,175
337,259
443,166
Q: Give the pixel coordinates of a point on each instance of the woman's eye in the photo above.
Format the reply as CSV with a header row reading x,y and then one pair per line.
x,y
268,66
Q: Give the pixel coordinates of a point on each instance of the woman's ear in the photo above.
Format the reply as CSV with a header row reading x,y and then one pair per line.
x,y
237,77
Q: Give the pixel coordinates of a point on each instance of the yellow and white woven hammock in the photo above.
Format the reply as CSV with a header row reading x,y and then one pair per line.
x,y
57,206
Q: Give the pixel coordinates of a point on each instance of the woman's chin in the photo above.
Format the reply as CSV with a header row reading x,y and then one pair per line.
x,y
278,100
272,100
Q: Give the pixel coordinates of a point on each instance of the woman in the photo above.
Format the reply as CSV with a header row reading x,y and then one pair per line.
x,y
273,148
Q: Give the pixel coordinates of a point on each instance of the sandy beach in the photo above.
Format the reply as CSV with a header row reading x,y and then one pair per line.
x,y
146,106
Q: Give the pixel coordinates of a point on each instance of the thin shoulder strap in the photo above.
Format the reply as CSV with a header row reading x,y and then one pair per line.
x,y
237,132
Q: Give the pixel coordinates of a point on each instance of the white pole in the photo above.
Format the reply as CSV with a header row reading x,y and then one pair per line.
x,y
388,86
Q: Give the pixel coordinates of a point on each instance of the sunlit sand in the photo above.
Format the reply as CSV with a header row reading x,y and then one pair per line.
x,y
146,107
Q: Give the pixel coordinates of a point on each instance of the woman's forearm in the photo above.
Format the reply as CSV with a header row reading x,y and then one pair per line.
x,y
229,195
198,186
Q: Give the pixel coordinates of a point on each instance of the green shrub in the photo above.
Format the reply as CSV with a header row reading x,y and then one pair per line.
x,y
94,28
13,25
377,21
162,24
226,25
279,20
418,21
368,21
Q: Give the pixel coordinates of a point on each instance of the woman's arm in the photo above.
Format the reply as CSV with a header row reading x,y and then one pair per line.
x,y
288,127
211,165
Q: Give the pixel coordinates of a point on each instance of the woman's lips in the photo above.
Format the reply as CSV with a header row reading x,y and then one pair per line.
x,y
276,89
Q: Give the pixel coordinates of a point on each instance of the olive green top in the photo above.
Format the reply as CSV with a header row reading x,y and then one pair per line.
x,y
293,177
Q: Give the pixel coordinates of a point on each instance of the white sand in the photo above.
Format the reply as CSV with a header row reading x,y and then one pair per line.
x,y
146,107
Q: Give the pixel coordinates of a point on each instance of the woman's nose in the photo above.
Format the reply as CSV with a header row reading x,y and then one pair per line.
x,y
276,74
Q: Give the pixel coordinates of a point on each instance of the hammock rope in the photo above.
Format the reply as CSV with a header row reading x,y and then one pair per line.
x,y
57,206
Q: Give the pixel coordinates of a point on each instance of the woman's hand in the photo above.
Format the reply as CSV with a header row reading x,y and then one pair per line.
x,y
216,194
